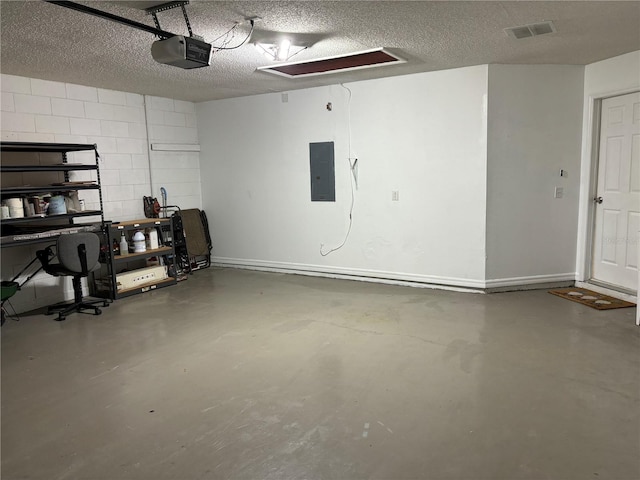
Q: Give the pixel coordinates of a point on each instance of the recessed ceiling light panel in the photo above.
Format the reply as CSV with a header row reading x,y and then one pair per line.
x,y
340,63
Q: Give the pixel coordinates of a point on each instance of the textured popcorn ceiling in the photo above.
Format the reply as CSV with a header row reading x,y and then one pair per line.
x,y
46,41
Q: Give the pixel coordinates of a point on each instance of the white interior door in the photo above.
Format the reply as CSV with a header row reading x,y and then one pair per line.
x,y
617,214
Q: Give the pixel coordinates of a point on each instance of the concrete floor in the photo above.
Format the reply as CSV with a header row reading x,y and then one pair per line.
x,y
247,375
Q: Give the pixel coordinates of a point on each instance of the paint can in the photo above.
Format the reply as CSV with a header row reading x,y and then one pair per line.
x,y
13,202
57,205
16,208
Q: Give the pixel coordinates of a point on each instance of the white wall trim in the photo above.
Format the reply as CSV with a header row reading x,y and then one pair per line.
x,y
530,280
589,166
393,278
589,177
377,276
604,94
175,147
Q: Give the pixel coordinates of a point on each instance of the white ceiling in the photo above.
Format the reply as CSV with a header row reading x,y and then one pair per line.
x,y
46,41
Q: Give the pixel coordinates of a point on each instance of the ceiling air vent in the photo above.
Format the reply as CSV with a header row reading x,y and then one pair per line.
x,y
531,30
341,63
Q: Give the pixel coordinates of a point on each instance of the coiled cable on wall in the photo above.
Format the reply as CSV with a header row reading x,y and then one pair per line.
x,y
353,178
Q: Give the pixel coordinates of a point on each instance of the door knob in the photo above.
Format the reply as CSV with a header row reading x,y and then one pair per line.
x,y
598,199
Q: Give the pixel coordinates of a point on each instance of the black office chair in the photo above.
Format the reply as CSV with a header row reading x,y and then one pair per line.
x,y
77,256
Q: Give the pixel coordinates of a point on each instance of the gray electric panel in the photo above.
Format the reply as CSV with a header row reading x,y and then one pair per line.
x,y
323,174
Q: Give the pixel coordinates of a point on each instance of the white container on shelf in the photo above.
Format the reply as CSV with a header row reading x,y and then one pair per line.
x,y
139,244
16,212
153,239
16,207
124,246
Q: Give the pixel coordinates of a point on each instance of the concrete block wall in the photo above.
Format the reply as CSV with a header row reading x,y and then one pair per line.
x,y
35,110
174,122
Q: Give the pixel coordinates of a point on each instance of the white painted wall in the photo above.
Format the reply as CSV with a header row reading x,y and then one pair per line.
x,y
174,122
614,76
534,131
47,111
463,186
423,135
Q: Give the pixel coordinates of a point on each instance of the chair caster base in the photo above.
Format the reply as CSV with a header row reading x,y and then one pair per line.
x,y
82,307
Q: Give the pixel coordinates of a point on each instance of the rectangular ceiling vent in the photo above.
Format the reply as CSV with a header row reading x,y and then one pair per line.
x,y
532,30
340,63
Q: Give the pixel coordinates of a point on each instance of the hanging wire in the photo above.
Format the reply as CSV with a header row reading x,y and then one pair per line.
x,y
226,33
232,32
352,178
229,36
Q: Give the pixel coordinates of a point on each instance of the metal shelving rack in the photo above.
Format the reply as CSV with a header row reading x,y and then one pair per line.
x,y
36,229
109,286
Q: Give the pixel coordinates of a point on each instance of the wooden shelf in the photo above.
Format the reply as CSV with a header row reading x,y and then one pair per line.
x,y
140,255
141,223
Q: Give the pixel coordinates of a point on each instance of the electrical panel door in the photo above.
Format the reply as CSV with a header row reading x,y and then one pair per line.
x,y
323,175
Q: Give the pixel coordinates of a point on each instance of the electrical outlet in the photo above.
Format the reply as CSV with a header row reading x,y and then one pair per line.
x,y
395,195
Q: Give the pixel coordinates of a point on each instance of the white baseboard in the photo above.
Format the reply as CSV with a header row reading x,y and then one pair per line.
x,y
396,278
533,280
376,276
